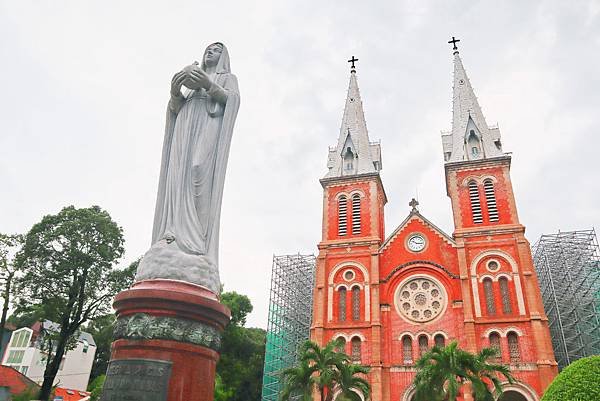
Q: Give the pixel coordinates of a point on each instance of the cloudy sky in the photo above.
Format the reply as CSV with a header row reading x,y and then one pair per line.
x,y
84,86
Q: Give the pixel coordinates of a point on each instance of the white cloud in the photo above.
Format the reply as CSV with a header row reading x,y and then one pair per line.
x,y
85,87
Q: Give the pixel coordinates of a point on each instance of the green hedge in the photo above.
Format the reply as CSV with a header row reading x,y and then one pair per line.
x,y
580,381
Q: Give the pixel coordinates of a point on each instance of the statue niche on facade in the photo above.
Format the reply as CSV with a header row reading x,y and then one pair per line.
x,y
199,126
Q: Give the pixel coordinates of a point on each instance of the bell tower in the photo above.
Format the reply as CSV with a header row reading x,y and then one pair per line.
x,y
500,289
346,297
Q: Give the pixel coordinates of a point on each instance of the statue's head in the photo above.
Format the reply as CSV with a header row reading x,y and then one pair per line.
x,y
212,54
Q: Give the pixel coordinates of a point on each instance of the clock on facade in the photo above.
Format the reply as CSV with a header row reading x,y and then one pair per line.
x,y
416,242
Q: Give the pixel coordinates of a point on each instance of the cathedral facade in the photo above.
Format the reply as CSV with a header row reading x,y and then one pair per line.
x,y
391,298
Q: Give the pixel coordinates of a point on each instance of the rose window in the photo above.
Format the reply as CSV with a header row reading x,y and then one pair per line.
x,y
421,299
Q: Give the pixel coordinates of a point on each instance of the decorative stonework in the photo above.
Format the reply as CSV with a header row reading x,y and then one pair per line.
x,y
420,300
142,326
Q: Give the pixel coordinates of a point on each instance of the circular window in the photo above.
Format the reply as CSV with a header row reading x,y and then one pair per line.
x,y
348,275
493,265
420,299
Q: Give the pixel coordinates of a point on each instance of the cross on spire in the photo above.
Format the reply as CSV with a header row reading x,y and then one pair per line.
x,y
353,67
454,41
414,203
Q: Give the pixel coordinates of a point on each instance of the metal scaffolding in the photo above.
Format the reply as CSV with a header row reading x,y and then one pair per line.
x,y
290,314
568,268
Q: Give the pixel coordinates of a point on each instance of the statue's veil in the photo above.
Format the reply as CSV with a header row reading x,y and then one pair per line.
x,y
223,66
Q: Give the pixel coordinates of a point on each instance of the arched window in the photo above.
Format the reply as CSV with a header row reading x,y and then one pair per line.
x,y
439,340
490,200
513,347
341,344
356,214
495,343
489,296
355,348
474,145
407,349
342,304
348,161
475,203
505,294
423,344
342,215
355,303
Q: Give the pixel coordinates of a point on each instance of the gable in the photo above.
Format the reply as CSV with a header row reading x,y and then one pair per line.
x,y
439,248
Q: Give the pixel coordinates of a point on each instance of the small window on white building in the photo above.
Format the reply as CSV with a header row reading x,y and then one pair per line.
x,y
15,357
86,346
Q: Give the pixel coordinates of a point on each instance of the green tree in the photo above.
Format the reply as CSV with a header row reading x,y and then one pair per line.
x,y
67,261
240,368
326,370
9,244
95,387
577,382
442,371
101,328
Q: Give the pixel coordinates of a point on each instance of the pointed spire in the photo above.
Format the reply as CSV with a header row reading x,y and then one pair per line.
x,y
471,138
354,153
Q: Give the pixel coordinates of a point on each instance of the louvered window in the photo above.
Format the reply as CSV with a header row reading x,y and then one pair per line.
x,y
439,340
489,296
342,305
513,347
505,294
490,199
475,203
356,214
423,345
342,216
407,349
355,303
355,349
495,343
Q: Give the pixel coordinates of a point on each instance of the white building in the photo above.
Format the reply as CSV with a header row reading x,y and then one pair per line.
x,y
25,355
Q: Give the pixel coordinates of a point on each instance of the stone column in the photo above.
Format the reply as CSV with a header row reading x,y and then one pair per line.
x,y
167,340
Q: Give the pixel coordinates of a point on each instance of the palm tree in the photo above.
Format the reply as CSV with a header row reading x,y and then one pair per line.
x,y
351,382
443,370
326,370
298,382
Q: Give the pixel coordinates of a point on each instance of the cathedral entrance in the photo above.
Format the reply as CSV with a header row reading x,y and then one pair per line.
x,y
512,395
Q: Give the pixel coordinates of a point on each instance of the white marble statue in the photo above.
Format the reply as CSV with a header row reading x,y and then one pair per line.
x,y
185,238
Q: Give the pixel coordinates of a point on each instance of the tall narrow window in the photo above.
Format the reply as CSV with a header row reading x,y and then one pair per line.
x,y
475,203
490,200
439,340
423,345
341,344
489,296
495,343
513,347
355,303
342,216
355,349
505,294
356,214
342,304
407,349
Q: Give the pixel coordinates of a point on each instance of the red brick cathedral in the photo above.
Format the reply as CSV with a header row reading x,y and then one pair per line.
x,y
391,298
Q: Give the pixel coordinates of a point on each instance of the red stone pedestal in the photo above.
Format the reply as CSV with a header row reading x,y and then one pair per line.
x,y
165,323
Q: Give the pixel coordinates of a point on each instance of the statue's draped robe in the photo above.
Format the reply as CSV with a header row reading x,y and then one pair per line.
x,y
194,160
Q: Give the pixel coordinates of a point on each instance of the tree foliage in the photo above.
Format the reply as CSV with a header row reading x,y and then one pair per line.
x,y
67,261
326,370
240,368
9,245
442,371
580,381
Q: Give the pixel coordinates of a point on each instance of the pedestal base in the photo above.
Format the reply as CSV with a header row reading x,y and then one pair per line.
x,y
167,338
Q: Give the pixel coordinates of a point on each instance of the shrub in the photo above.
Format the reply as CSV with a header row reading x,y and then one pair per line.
x,y
577,382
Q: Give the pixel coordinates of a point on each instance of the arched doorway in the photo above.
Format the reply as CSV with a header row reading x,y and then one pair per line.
x,y
512,395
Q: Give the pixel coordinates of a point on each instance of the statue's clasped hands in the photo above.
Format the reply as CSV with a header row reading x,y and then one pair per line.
x,y
192,77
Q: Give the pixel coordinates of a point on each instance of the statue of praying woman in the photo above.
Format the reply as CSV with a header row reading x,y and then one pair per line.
x,y
185,238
